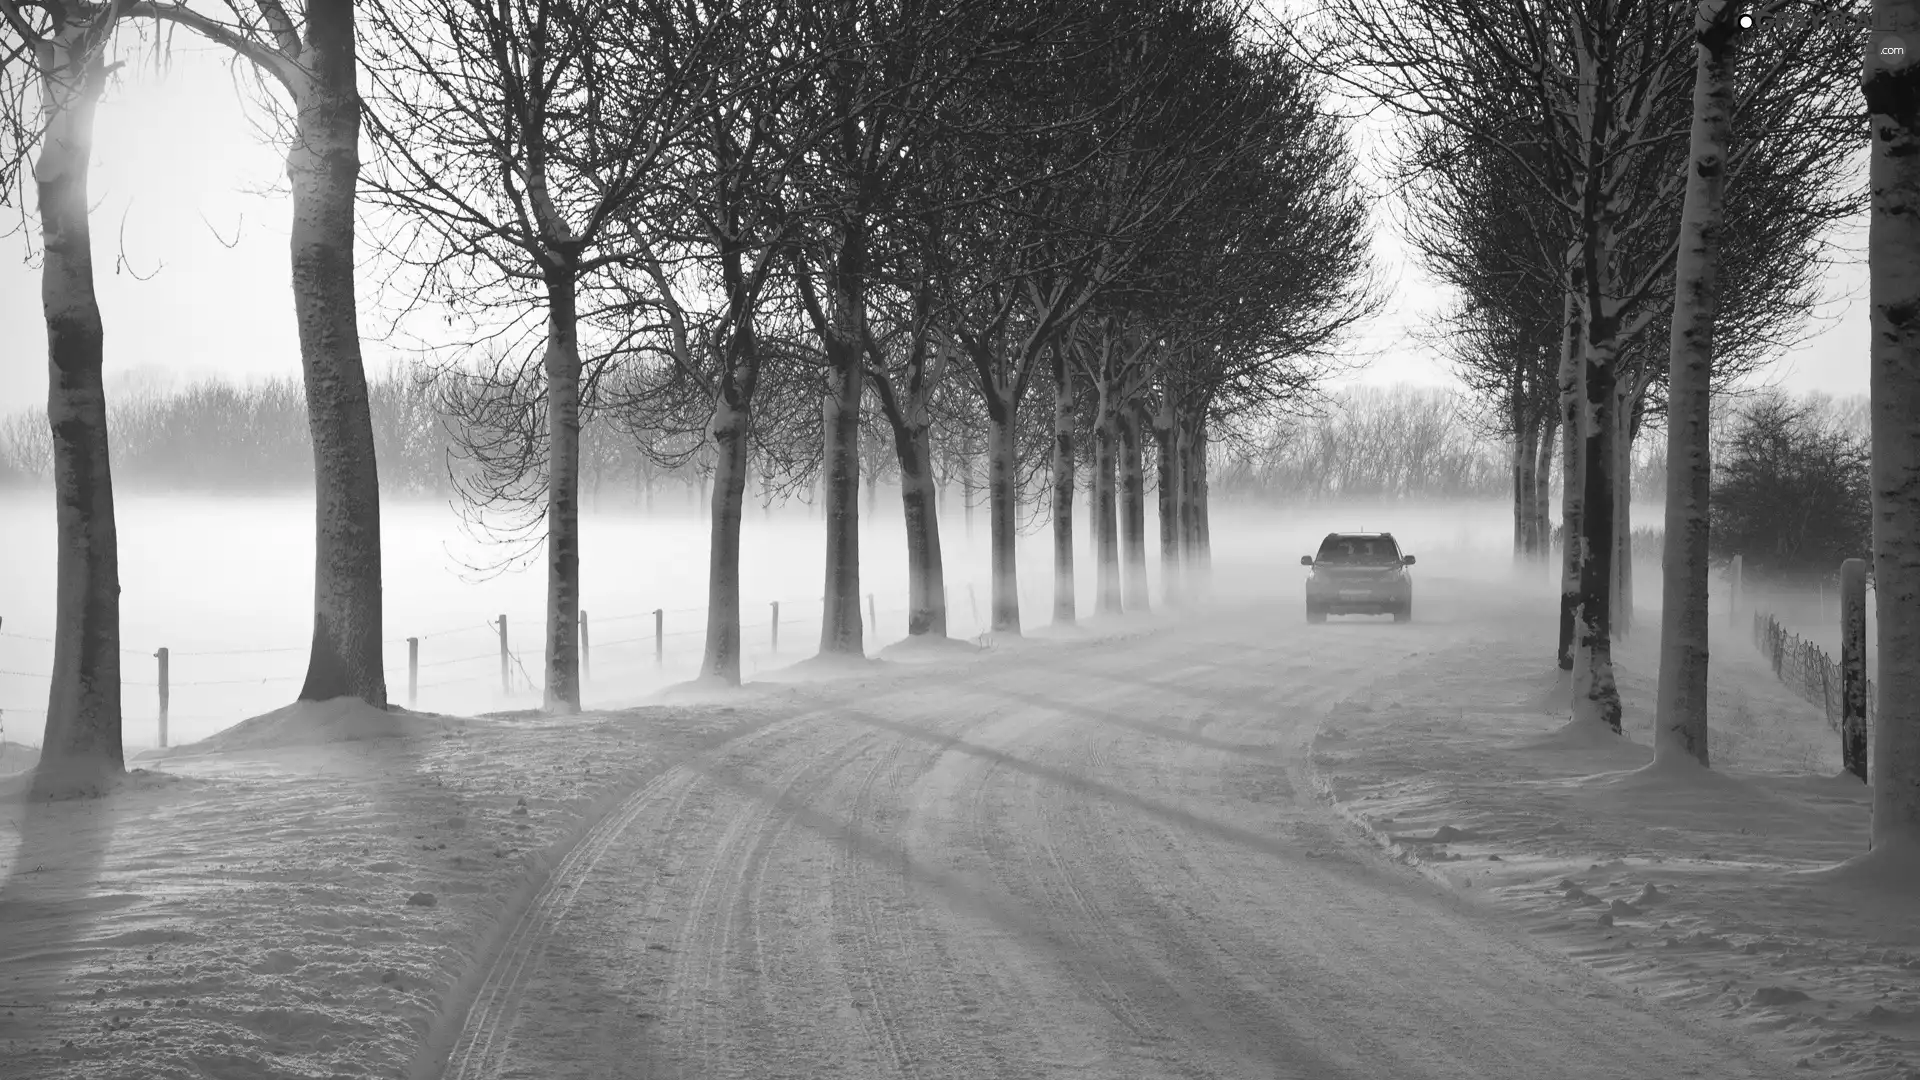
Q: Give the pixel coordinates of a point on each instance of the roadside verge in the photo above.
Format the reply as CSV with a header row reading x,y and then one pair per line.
x,y
1690,888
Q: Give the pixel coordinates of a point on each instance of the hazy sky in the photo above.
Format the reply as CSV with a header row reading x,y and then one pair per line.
x,y
191,262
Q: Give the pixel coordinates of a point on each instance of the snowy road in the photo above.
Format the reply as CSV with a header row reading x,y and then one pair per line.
x,y
1078,859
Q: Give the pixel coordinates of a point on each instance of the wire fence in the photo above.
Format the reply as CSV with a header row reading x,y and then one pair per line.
x,y
1805,668
196,691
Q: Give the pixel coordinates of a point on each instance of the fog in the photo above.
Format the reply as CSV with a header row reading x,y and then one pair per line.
x,y
225,584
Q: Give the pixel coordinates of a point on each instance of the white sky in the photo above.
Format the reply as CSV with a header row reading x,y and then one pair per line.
x,y
180,172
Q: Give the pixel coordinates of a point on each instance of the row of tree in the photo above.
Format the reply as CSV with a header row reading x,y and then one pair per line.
x,y
1629,199
725,227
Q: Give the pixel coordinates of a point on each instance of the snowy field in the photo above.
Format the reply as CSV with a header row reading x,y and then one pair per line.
x,y
225,584
1211,843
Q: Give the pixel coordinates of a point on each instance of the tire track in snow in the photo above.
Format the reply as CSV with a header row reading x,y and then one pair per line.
x,y
854,910
484,1034
1081,869
725,899
917,1000
469,1039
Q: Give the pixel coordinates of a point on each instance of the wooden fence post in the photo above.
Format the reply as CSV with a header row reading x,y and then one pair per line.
x,y
659,637
1853,666
413,672
506,680
162,657
586,651
776,626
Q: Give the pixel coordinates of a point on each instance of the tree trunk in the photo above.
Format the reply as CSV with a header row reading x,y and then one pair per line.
x,y
1892,89
1202,559
1063,483
840,626
323,167
1680,706
728,428
926,577
80,750
1526,433
1596,698
1621,593
1133,509
1572,481
1002,512
1170,487
1106,524
563,492
1189,491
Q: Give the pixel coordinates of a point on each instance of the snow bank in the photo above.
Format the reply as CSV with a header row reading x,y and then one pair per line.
x,y
1706,887
823,667
241,912
924,647
316,723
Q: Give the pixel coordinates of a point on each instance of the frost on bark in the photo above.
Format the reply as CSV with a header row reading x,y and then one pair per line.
x,y
1062,488
1596,698
81,750
1680,707
1572,481
728,429
1106,524
1891,85
563,489
1133,510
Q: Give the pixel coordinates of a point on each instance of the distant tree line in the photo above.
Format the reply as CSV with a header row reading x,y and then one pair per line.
x,y
1369,442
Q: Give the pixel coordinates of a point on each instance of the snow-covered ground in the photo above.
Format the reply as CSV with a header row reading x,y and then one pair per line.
x,y
1702,892
1106,853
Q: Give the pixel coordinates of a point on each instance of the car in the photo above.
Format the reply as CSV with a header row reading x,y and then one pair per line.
x,y
1359,573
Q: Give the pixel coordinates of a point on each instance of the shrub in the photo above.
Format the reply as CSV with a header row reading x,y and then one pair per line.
x,y
1792,495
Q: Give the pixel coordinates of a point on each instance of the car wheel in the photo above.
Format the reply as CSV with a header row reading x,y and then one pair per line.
x,y
1316,614
1405,612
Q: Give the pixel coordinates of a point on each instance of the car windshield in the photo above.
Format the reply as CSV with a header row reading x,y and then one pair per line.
x,y
1359,551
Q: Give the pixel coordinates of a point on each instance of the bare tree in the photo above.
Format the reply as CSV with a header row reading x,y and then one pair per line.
x,y
1680,722
312,60
696,299
523,135
890,77
57,49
